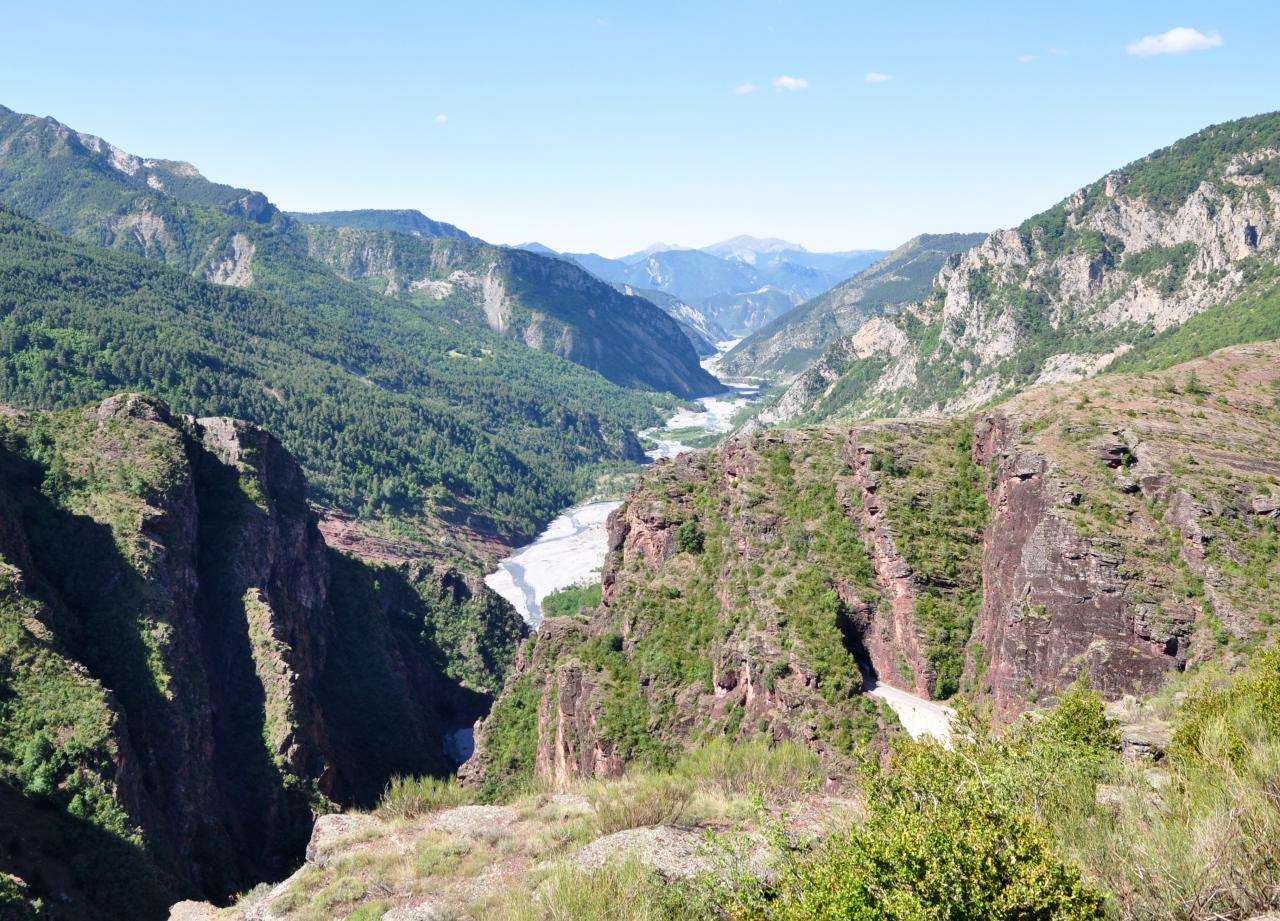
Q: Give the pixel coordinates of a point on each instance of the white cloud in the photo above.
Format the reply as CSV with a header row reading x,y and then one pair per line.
x,y
1059,52
1026,58
442,118
743,89
876,77
1175,41
791,84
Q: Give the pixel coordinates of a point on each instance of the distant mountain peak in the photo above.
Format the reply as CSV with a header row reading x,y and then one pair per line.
x,y
652,248
743,243
533,246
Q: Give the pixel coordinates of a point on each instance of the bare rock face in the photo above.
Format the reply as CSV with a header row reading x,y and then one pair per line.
x,y
1056,604
568,719
642,531
278,569
234,264
674,853
1124,528
892,638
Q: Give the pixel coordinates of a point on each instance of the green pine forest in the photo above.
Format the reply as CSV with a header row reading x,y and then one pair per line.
x,y
449,420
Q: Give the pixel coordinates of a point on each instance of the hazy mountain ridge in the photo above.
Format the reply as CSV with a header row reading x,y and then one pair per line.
x,y
739,284
407,220
704,333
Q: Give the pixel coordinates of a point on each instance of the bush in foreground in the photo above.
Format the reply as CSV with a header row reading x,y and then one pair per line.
x,y
639,800
753,767
1206,842
408,797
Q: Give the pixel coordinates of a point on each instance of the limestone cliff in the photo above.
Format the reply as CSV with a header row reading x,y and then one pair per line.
x,y
788,345
1134,256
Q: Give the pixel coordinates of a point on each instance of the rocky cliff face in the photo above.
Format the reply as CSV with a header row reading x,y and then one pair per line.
x,y
732,597
1112,530
1132,528
1136,254
190,670
547,303
789,344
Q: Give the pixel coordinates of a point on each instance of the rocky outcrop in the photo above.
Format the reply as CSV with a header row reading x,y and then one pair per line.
x,y
692,638
893,641
1056,604
790,344
1066,294
234,265
569,721
473,861
219,671
1114,551
1112,530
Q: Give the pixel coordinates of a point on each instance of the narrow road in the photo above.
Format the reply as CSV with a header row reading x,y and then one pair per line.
x,y
919,717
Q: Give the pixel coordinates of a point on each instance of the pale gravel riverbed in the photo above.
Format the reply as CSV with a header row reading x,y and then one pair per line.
x,y
569,552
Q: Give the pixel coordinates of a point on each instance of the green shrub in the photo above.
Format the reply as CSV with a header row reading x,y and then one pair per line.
x,y
511,741
342,891
14,904
639,800
1208,845
566,601
965,833
439,855
370,911
407,797
622,891
938,842
1080,720
756,767
689,537
959,859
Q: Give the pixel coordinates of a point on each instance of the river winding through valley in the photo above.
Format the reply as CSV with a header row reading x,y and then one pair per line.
x,y
571,550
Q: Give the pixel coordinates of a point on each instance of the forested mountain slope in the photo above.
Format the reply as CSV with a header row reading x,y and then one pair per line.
x,y
189,673
1115,529
85,187
548,304
1171,256
787,346
390,417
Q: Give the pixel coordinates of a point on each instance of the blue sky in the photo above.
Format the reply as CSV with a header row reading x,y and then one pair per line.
x,y
599,126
